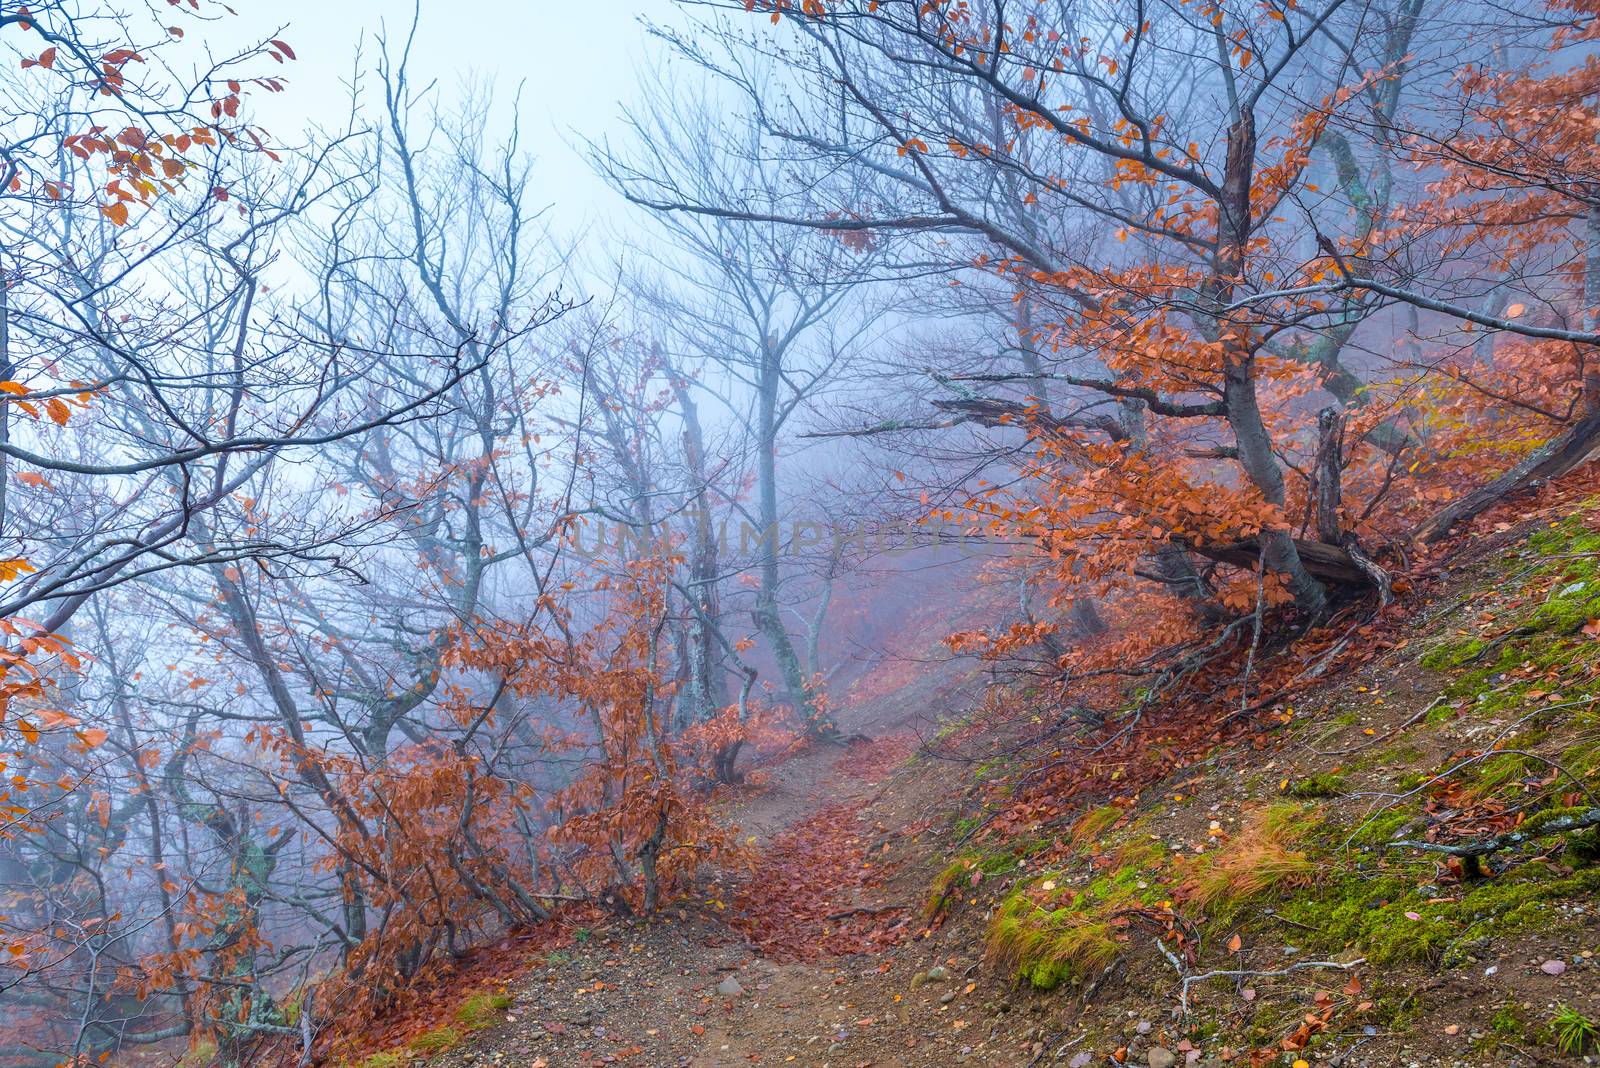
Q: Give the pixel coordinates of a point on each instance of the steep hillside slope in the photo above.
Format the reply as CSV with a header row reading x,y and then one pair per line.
x,y
1387,862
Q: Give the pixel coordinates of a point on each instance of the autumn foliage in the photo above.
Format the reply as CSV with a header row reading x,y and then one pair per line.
x,y
309,688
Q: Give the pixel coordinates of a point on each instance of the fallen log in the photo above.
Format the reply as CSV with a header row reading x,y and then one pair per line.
x,y
1329,563
1560,455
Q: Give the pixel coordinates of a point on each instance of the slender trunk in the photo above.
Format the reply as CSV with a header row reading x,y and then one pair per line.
x,y
1328,473
814,627
1590,368
708,683
6,371
767,615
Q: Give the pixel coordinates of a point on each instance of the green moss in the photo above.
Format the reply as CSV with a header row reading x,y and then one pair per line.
x,y
1584,847
1571,549
944,885
1046,946
1002,861
1582,758
990,769
1327,784
1142,855
1383,912
433,1043
1396,1007
1092,825
482,1010
1536,823
1449,655
1049,933
1507,1022
1411,780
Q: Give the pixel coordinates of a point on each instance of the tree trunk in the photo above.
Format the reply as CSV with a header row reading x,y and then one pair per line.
x,y
1328,473
1238,386
767,615
708,682
1591,310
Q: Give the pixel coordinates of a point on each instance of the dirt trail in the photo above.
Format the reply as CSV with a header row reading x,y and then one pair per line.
x,y
750,973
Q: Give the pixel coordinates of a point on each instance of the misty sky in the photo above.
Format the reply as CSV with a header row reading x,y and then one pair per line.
x,y
575,63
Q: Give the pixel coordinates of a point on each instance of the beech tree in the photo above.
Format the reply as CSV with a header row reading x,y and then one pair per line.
x,y
1210,314
777,316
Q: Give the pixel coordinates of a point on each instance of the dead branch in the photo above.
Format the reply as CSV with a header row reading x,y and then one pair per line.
x,y
1246,973
1484,847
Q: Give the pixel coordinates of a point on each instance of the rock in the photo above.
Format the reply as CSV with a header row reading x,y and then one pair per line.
x,y
919,980
1160,1057
1553,967
937,974
948,998
730,987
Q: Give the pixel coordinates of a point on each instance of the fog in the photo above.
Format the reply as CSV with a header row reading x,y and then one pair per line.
x,y
435,479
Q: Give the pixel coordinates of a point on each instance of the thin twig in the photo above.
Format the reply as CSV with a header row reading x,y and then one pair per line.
x,y
1246,973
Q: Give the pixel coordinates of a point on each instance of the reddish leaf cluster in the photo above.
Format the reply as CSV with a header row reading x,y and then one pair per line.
x,y
806,899
797,905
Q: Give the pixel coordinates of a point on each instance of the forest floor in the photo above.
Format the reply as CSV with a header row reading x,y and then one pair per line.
x,y
866,933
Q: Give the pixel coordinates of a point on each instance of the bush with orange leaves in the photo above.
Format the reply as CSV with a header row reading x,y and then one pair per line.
x,y
635,825
442,843
713,747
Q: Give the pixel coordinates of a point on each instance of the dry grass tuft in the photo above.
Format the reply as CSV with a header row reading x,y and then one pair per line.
x,y
1260,859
